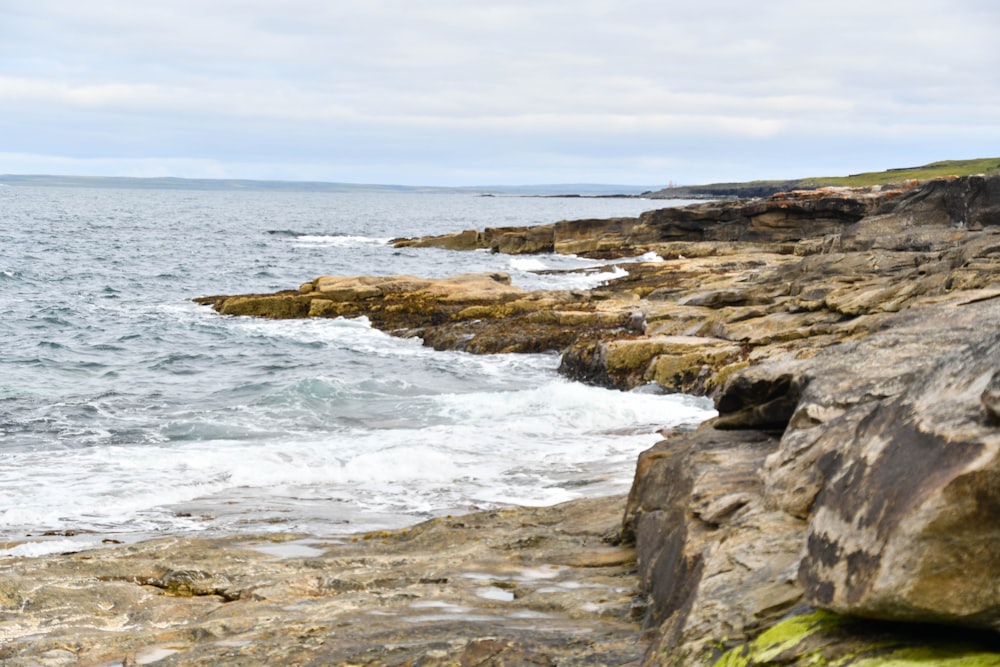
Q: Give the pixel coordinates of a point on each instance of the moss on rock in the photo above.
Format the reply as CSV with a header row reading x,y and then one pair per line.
x,y
824,639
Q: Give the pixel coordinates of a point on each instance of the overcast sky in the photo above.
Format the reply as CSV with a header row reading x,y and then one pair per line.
x,y
458,92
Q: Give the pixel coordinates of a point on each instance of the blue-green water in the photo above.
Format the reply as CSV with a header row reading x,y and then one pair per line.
x,y
127,410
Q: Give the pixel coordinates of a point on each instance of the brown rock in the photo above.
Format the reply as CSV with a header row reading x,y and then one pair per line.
x,y
514,586
849,338
903,526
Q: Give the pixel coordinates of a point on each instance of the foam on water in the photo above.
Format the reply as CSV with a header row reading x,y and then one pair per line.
x,y
528,264
128,411
534,446
338,241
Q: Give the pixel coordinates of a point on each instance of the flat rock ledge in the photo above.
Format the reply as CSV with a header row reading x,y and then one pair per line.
x,y
515,586
842,509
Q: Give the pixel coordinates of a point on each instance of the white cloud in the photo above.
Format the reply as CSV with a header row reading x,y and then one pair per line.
x,y
587,80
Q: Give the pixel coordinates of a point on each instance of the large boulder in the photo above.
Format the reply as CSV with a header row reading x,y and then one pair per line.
x,y
906,523
863,479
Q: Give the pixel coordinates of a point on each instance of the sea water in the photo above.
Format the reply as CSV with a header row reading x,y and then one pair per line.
x,y
128,411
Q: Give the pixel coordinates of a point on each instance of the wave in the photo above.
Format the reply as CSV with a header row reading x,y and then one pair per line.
x,y
528,264
563,407
344,241
243,421
383,446
33,549
329,239
570,280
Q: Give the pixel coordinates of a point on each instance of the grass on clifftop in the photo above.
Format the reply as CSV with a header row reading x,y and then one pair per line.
x,y
766,188
928,171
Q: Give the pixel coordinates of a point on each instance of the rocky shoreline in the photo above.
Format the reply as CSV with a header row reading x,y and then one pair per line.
x,y
517,586
844,508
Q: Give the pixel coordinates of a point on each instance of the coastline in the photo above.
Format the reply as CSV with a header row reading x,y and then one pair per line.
x,y
843,502
511,586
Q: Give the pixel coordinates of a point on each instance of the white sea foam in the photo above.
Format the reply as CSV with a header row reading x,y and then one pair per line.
x,y
346,241
48,547
128,410
532,446
528,264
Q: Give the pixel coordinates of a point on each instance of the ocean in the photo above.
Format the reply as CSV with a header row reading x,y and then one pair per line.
x,y
128,412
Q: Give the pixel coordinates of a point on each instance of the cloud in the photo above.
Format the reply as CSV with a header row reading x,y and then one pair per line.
x,y
451,84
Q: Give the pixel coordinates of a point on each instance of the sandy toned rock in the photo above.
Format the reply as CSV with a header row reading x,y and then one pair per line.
x,y
514,587
850,341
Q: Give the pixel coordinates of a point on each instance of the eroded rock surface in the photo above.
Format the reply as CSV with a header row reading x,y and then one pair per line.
x,y
507,587
843,508
862,479
741,281
855,472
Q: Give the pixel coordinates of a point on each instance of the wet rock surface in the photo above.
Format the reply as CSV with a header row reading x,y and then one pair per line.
x,y
850,339
506,587
843,508
739,282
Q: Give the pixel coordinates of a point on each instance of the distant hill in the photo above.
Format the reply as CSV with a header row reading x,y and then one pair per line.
x,y
169,183
767,188
709,191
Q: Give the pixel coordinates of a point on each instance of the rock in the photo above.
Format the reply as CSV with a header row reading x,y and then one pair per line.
x,y
905,524
717,561
682,363
743,299
780,218
514,586
850,341
813,637
869,470
991,400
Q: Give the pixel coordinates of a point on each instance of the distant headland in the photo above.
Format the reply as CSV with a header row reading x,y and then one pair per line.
x,y
926,172
171,183
764,188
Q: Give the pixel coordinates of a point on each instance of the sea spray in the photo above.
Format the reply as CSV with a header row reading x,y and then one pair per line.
x,y
128,411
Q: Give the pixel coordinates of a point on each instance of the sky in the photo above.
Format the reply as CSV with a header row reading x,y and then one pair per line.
x,y
459,92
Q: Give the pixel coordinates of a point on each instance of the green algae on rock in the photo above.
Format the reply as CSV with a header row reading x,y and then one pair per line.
x,y
823,639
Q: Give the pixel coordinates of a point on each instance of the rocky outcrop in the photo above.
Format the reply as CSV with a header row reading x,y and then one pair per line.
x,y
850,340
782,218
862,480
473,313
843,508
751,279
507,587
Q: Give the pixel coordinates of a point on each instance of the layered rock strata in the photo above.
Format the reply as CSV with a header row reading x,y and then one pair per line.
x,y
850,340
506,587
747,280
843,508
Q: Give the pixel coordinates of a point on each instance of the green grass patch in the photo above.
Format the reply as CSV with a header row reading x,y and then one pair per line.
x,y
926,172
942,169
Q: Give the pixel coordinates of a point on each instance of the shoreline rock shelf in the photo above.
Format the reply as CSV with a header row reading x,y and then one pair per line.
x,y
843,508
850,339
517,586
838,263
